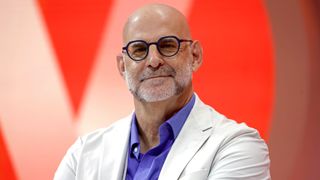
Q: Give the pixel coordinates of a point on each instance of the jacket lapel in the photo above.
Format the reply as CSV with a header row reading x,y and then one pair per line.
x,y
115,151
194,133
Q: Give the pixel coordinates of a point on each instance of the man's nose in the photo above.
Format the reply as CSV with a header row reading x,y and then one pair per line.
x,y
154,58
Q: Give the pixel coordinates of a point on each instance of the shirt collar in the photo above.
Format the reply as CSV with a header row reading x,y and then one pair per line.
x,y
177,120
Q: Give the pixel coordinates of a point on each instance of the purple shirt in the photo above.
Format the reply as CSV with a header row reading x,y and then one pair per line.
x,y
148,165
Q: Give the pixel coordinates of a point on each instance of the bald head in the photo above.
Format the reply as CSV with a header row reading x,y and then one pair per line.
x,y
155,20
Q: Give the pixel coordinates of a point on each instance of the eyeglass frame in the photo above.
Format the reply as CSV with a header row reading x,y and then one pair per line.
x,y
125,48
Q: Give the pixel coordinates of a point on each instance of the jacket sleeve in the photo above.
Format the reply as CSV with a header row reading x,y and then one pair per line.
x,y
243,156
69,163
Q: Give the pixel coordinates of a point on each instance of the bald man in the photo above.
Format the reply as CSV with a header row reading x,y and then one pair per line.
x,y
171,134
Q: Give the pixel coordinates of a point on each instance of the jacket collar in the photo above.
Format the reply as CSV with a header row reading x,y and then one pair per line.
x,y
196,130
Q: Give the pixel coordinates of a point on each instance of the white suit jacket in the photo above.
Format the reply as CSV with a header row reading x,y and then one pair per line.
x,y
209,146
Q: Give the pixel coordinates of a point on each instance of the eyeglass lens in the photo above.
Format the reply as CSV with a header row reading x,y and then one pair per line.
x,y
167,46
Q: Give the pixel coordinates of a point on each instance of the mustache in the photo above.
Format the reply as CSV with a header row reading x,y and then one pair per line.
x,y
162,71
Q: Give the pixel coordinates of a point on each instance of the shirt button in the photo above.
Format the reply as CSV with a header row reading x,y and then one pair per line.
x,y
135,150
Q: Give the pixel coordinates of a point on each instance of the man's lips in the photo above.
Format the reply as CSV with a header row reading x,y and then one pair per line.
x,y
154,77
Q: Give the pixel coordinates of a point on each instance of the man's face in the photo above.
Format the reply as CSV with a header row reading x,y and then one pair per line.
x,y
160,79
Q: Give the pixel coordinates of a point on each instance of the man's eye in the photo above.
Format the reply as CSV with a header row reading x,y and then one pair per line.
x,y
168,45
138,50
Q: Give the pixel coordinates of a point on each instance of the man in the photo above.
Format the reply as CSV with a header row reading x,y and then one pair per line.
x,y
172,134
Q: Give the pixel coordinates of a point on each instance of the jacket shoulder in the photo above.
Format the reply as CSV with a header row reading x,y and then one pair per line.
x,y
89,148
222,125
113,129
240,150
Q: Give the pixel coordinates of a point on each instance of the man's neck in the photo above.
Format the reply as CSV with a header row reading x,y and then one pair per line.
x,y
150,115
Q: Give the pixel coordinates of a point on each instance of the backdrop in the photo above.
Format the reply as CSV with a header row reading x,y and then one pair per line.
x,y
58,76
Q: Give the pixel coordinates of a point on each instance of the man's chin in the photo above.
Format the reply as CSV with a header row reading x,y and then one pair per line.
x,y
154,97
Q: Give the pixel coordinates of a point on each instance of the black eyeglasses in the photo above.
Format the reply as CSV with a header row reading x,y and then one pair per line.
x,y
167,46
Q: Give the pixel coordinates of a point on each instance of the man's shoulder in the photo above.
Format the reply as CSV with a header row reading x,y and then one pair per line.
x,y
228,129
233,147
223,126
98,139
115,128
88,149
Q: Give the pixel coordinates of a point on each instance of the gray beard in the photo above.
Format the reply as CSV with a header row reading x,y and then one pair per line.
x,y
179,82
146,95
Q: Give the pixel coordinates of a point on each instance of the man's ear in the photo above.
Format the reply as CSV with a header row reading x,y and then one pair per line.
x,y
197,55
120,65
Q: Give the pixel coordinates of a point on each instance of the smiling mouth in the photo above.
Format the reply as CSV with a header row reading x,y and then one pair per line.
x,y
155,77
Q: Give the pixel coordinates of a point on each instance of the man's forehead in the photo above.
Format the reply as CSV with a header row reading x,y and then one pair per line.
x,y
152,32
153,22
